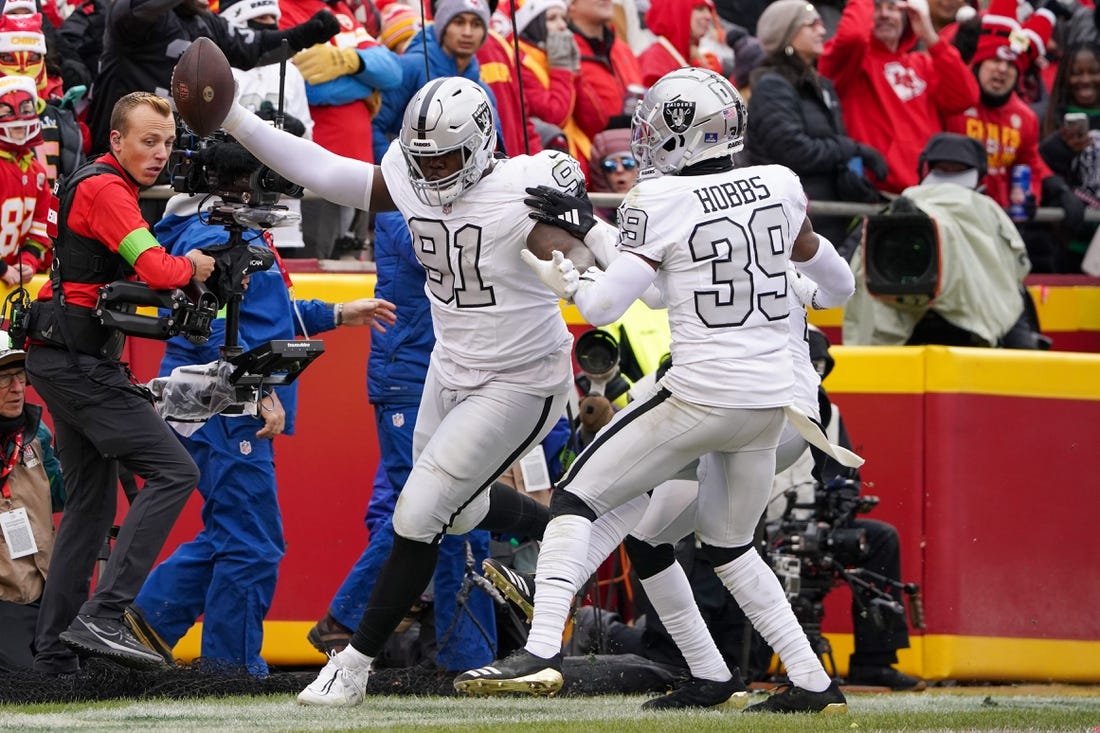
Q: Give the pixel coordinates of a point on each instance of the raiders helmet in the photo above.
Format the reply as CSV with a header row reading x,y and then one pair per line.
x,y
687,116
446,115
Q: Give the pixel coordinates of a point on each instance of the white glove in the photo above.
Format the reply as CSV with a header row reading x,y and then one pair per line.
x,y
803,287
558,273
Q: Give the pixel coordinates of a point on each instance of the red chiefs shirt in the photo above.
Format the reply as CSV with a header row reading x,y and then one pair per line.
x,y
1010,136
24,208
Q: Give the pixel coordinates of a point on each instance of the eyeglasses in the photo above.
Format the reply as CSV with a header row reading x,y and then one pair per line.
x,y
611,164
7,379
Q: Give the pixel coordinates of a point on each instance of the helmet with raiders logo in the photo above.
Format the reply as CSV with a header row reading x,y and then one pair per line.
x,y
448,115
20,127
687,116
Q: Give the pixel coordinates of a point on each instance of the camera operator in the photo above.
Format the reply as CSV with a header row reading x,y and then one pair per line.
x,y
875,645
101,417
959,280
227,573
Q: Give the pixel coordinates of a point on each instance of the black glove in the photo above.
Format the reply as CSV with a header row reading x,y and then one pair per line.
x,y
873,161
562,210
291,124
318,29
1073,211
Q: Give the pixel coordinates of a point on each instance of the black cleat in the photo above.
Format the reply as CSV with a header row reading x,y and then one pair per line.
x,y
698,693
885,676
147,635
792,699
521,671
516,587
109,637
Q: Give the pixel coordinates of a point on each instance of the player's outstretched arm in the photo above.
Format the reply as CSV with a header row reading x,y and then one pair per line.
x,y
343,181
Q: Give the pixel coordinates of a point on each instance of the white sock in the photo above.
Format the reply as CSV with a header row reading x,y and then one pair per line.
x,y
609,530
760,595
351,658
670,593
560,571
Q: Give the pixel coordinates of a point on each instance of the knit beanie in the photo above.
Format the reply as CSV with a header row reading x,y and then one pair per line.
x,y
446,11
239,13
1003,37
781,20
532,9
399,25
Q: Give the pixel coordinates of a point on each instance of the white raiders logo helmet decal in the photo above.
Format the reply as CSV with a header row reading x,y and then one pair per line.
x,y
678,115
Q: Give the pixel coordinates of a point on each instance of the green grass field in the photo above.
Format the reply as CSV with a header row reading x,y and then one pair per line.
x,y
1030,708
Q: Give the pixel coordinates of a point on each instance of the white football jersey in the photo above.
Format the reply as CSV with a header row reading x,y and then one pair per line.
x,y
491,312
723,242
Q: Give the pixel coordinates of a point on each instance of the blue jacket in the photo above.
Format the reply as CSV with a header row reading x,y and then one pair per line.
x,y
398,363
387,122
267,311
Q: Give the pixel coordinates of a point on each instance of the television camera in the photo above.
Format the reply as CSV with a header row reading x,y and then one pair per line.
x,y
815,546
247,195
219,166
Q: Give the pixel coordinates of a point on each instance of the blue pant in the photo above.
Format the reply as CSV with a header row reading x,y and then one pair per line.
x,y
461,644
228,571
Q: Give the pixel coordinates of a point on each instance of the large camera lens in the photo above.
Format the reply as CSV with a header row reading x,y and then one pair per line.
x,y
597,352
902,255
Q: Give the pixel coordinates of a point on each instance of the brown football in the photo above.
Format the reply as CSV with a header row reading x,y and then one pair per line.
x,y
202,86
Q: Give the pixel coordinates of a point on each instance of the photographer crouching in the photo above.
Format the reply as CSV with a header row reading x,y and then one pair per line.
x,y
102,418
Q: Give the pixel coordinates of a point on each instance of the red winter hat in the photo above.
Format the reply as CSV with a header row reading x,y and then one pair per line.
x,y
1038,28
1002,37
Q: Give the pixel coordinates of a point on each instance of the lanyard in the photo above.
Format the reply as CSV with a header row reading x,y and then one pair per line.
x,y
9,464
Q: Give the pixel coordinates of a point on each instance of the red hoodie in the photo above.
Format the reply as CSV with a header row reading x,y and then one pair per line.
x,y
894,100
670,21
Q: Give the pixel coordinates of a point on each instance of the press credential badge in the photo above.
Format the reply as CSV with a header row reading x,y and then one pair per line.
x,y
17,533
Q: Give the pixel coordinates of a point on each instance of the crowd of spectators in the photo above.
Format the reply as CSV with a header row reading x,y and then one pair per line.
x,y
847,104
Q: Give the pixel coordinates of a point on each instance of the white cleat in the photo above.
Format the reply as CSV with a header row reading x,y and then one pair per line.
x,y
336,686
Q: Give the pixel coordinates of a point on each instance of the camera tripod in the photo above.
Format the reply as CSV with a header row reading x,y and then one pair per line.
x,y
871,592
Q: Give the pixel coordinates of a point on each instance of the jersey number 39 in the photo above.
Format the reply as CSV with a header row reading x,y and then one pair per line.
x,y
748,264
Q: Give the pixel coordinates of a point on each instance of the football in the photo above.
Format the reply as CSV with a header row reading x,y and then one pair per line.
x,y
202,86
